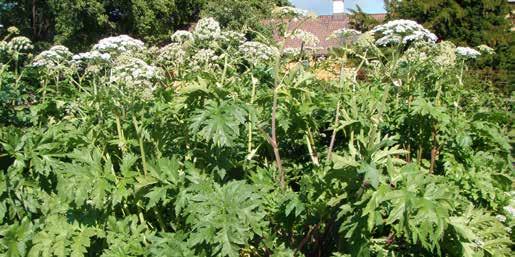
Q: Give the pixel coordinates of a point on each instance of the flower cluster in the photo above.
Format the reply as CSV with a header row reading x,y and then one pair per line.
x,y
501,218
118,45
91,58
171,55
55,57
510,210
402,32
256,52
467,52
207,28
291,51
204,59
445,54
342,34
232,38
414,55
134,73
289,12
308,38
485,49
182,36
20,45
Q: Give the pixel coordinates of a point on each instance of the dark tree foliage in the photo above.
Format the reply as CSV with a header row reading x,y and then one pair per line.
x,y
359,20
79,23
465,22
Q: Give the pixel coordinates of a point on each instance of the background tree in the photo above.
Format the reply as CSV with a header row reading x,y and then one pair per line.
x,y
79,23
465,22
359,20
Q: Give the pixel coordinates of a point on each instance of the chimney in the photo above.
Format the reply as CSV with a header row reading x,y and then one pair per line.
x,y
338,7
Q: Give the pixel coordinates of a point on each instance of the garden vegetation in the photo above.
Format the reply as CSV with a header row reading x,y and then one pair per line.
x,y
214,145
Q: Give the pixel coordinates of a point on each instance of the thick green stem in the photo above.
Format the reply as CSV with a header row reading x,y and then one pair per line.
x,y
121,138
273,141
252,99
139,131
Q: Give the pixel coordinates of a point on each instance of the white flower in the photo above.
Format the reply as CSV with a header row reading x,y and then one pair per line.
x,y
204,59
308,38
171,55
90,58
344,33
232,37
256,52
402,31
134,74
13,30
467,52
52,58
118,45
181,36
486,49
91,62
207,28
479,243
510,210
291,51
289,12
501,218
414,55
20,45
445,54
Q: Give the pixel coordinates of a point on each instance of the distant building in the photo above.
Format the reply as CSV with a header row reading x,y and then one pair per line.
x,y
324,25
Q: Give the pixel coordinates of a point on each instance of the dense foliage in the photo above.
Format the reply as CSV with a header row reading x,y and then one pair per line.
x,y
360,20
467,22
80,23
218,146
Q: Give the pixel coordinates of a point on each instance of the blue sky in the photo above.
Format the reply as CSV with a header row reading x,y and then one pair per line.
x,y
324,7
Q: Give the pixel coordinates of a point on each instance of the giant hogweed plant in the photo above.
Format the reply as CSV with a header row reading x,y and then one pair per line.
x,y
217,146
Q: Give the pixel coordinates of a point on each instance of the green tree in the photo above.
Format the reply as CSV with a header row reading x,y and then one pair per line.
x,y
359,20
79,23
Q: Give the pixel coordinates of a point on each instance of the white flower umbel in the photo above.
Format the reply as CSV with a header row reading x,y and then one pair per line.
x,y
445,54
256,52
509,210
204,59
182,36
93,56
232,37
309,39
20,45
342,34
133,73
485,49
501,218
286,12
171,55
467,52
402,32
207,28
291,51
56,56
118,45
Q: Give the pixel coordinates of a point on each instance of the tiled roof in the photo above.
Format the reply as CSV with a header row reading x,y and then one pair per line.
x,y
378,16
322,27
